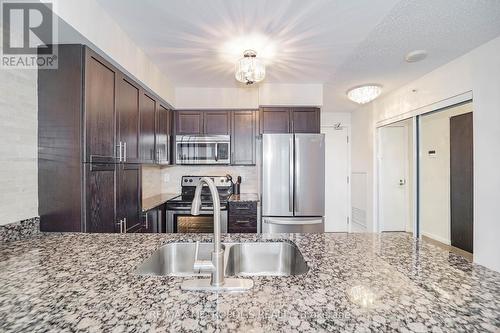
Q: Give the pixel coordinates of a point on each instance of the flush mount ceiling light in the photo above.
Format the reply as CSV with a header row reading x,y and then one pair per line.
x,y
364,94
415,56
249,69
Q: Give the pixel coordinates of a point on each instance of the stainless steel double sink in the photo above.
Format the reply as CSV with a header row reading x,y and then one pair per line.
x,y
240,259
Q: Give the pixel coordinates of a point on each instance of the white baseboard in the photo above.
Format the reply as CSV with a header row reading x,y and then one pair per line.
x,y
437,238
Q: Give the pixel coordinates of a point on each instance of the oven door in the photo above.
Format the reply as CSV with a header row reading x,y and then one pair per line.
x,y
184,222
203,149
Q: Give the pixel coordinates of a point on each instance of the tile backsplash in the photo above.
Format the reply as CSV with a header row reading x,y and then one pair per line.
x,y
157,180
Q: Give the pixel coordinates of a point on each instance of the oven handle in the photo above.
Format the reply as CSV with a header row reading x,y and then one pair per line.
x,y
216,152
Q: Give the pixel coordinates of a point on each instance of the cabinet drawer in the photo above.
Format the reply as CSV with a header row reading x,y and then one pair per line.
x,y
242,224
242,217
243,207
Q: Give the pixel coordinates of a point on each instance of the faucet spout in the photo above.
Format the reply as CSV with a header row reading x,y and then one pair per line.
x,y
217,269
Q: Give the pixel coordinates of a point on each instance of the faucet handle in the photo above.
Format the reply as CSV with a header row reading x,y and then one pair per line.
x,y
201,265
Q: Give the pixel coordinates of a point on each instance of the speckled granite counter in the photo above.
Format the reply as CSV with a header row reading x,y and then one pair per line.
x,y
356,282
156,200
244,197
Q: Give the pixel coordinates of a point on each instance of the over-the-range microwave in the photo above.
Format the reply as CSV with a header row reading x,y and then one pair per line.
x,y
203,149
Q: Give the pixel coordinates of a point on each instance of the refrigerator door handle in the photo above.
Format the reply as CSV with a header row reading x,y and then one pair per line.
x,y
293,221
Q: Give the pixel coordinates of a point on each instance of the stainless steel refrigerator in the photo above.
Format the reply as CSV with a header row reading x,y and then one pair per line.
x,y
293,183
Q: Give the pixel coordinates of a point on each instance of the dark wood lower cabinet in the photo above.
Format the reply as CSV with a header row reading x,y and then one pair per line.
x,y
128,195
151,220
242,217
100,214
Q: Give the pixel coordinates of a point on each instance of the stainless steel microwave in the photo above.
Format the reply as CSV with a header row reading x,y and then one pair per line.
x,y
203,149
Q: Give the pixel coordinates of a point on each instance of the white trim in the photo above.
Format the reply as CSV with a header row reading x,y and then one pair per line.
x,y
437,238
416,171
454,100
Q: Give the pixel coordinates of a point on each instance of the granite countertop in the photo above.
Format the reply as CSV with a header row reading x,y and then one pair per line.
x,y
156,200
244,197
356,282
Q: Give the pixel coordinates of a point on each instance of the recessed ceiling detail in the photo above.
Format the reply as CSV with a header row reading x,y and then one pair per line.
x,y
416,56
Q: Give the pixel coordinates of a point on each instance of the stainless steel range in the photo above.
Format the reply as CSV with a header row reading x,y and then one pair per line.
x,y
179,218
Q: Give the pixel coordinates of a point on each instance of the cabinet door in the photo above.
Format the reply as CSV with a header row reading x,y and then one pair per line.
x,y
216,122
100,198
151,220
305,120
163,135
128,116
243,136
188,122
100,118
275,120
129,196
148,109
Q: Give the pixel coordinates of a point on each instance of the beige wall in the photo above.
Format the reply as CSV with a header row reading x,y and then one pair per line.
x,y
362,153
249,97
94,23
435,173
18,145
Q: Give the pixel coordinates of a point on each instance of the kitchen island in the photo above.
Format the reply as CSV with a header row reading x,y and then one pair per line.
x,y
355,282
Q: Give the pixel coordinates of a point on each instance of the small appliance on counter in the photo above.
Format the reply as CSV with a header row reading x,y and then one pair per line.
x,y
237,185
179,218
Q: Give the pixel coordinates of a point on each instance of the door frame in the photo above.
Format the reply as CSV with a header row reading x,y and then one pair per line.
x,y
349,171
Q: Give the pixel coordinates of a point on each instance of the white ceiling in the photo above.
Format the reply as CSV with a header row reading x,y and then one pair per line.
x,y
337,42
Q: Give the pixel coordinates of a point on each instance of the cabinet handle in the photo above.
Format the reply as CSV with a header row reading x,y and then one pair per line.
x,y
158,156
147,223
120,224
120,152
124,152
242,221
124,225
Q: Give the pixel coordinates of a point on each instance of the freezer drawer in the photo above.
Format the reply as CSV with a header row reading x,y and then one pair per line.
x,y
273,225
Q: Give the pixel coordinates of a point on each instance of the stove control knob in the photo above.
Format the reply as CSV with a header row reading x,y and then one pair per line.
x,y
185,180
190,180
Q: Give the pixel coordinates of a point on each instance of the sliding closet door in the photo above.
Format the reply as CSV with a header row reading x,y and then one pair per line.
x,y
461,181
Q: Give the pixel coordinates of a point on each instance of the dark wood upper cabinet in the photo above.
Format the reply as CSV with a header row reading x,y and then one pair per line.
x,y
243,137
163,135
128,196
216,122
100,181
305,120
275,120
128,115
188,122
148,110
290,120
100,117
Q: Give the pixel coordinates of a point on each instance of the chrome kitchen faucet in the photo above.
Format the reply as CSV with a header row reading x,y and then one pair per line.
x,y
215,266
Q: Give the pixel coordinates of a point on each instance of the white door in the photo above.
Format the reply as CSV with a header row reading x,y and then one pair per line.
x,y
393,161
336,173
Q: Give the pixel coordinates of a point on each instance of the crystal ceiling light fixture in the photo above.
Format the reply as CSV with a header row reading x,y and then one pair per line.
x,y
249,69
365,93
